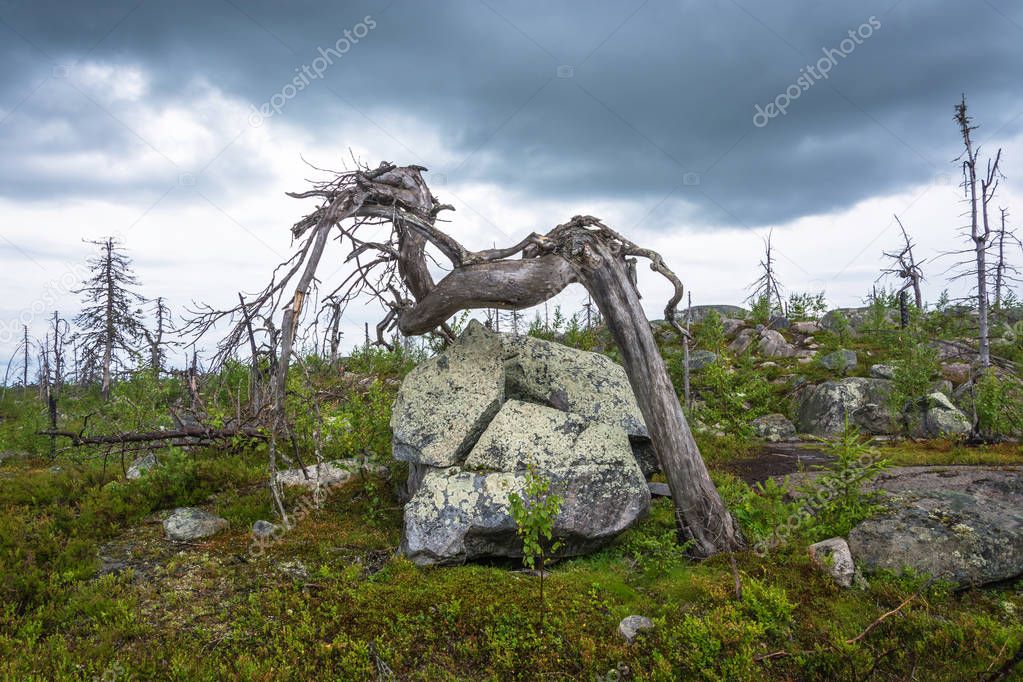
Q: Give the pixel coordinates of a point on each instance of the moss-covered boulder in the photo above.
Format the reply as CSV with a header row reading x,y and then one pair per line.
x,y
824,409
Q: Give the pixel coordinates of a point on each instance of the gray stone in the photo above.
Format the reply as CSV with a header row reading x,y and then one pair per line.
x,y
328,474
742,342
963,524
141,466
186,524
823,409
631,626
698,359
806,328
461,513
857,318
588,384
773,345
779,322
263,529
446,402
881,371
659,489
935,416
774,428
840,361
834,558
732,327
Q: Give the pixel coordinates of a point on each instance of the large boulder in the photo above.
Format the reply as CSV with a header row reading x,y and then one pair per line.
x,y
824,409
446,402
963,524
698,359
462,513
570,413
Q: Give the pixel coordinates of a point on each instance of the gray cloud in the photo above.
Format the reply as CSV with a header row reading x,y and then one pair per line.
x,y
659,101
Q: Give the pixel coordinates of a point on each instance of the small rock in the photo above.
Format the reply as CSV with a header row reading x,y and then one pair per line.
x,y
732,327
774,428
841,361
191,523
659,489
140,466
331,474
882,371
833,557
742,342
296,569
699,359
631,626
263,529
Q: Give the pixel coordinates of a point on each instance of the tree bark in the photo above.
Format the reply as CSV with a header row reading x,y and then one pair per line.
x,y
704,519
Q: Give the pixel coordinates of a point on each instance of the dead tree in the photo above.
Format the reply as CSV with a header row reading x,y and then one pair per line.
x,y
1002,271
905,267
162,320
979,228
766,287
109,322
395,201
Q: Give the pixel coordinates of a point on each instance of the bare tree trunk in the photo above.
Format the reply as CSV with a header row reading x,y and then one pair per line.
x,y
704,518
982,302
685,356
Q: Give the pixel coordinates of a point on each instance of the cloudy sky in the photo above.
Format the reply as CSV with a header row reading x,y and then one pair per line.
x,y
694,127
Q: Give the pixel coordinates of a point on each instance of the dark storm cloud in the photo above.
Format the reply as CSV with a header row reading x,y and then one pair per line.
x,y
643,100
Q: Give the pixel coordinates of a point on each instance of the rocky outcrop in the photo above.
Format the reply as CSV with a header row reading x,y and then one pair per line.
x,y
774,428
568,413
823,409
963,524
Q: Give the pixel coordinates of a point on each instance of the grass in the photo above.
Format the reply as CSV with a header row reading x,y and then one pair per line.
x,y
332,599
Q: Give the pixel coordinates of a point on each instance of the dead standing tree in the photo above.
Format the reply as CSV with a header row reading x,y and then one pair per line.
x,y
979,229
766,287
1002,271
905,267
394,270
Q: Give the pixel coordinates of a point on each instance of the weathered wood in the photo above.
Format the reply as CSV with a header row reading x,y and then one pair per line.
x,y
704,519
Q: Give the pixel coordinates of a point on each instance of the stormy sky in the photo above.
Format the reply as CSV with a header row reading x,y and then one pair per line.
x,y
694,127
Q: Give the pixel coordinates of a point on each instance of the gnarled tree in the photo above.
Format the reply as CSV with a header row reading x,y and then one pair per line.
x,y
394,201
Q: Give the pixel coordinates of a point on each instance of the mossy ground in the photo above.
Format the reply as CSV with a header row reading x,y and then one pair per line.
x,y
332,599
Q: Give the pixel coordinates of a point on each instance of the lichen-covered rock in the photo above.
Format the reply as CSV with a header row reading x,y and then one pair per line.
x,y
840,361
458,514
698,359
631,626
824,409
882,371
445,403
773,345
742,342
834,558
807,328
588,384
186,524
934,416
328,474
774,428
141,466
962,524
